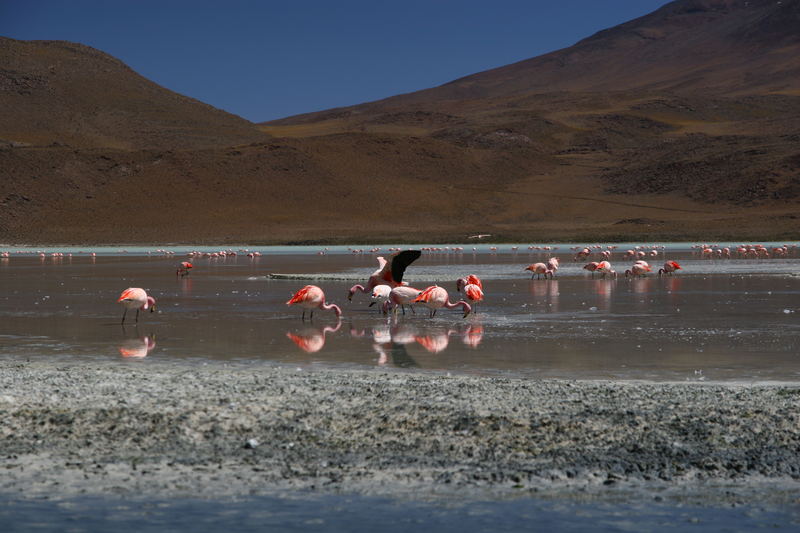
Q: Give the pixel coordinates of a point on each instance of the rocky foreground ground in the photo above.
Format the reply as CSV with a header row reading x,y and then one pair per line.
x,y
219,430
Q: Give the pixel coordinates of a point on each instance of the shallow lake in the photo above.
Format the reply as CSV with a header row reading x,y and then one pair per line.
x,y
308,512
732,319
717,319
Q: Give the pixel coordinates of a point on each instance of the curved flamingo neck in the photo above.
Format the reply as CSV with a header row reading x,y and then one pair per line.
x,y
356,288
334,307
460,303
149,303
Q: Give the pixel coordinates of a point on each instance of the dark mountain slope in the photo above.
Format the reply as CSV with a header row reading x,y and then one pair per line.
x,y
67,93
683,124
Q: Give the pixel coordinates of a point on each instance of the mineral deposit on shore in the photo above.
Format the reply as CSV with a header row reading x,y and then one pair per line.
x,y
177,429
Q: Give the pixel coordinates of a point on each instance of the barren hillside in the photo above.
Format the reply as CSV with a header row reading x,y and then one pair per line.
x,y
683,124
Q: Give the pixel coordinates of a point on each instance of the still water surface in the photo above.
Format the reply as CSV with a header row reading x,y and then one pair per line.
x,y
369,514
721,320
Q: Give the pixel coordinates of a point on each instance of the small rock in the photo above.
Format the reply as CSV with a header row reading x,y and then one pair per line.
x,y
251,443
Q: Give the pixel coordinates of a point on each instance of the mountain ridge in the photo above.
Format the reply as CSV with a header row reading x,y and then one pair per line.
x,y
685,146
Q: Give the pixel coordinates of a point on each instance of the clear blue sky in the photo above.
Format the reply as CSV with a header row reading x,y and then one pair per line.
x,y
264,60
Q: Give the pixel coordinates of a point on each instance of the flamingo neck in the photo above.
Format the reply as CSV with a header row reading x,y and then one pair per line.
x,y
334,307
355,288
149,303
461,303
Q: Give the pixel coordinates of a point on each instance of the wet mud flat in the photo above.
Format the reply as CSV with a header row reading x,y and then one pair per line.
x,y
216,430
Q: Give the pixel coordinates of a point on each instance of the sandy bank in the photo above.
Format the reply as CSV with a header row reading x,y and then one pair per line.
x,y
211,430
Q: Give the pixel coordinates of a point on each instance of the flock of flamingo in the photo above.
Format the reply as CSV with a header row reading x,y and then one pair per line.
x,y
387,289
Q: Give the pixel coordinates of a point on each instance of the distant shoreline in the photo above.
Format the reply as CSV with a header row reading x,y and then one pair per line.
x,y
347,244
177,429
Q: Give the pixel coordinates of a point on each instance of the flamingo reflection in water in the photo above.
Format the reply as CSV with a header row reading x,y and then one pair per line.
x,y
311,339
137,348
390,345
473,335
546,295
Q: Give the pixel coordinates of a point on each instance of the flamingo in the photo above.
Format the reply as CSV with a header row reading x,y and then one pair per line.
x,y
583,254
467,280
388,272
552,264
669,268
537,269
591,267
474,294
184,268
312,297
604,267
136,298
380,295
639,268
402,296
435,297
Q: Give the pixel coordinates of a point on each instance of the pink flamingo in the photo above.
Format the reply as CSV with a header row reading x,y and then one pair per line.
x,y
467,280
388,272
435,297
380,295
583,254
591,267
402,296
136,298
639,268
669,268
604,267
474,294
184,268
312,297
552,265
537,269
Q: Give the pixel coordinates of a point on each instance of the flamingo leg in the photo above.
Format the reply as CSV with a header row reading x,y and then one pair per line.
x,y
137,316
125,312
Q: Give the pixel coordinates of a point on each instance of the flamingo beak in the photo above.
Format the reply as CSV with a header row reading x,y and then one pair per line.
x,y
370,305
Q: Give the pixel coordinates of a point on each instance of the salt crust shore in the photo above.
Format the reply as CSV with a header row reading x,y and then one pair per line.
x,y
219,430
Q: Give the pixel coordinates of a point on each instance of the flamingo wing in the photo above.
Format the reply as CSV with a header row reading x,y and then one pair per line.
x,y
474,280
425,295
132,293
474,292
381,266
301,295
400,262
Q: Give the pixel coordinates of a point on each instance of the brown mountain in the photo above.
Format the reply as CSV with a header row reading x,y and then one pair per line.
x,y
68,93
680,124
